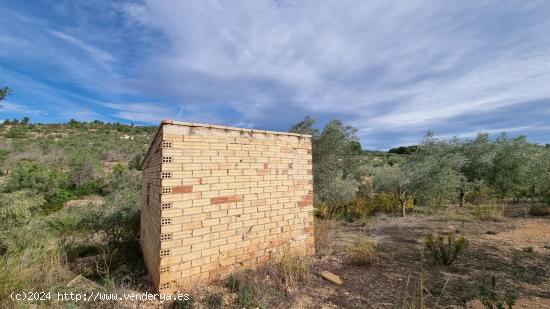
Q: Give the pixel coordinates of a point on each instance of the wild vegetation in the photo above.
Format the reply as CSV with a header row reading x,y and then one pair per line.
x,y
44,238
69,206
444,249
352,183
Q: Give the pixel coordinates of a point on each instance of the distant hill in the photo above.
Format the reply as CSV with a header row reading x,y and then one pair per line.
x,y
59,144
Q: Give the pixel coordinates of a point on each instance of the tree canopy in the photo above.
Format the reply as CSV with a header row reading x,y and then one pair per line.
x,y
436,172
4,92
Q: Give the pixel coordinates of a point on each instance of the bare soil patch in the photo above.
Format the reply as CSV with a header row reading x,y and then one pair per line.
x,y
393,278
392,281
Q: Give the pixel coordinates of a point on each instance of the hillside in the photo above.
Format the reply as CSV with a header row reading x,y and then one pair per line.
x,y
69,212
69,201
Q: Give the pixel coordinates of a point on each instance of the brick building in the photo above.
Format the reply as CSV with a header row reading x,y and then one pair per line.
x,y
215,197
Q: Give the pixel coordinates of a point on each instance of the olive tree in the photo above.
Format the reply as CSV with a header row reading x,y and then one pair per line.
x,y
479,153
336,159
435,171
395,179
511,166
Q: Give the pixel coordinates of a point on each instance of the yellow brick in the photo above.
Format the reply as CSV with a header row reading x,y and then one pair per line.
x,y
170,228
270,171
201,231
181,250
210,222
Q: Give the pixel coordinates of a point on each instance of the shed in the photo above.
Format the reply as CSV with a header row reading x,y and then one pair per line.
x,y
214,198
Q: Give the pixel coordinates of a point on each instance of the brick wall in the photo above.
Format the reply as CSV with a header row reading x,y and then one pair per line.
x,y
225,197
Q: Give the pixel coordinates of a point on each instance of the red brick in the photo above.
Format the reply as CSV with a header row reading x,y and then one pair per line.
x,y
306,201
182,189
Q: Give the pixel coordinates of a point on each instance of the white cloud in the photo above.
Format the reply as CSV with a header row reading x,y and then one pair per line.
x,y
144,112
383,66
9,107
96,53
430,61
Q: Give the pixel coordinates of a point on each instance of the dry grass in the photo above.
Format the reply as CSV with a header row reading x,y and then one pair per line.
x,y
37,268
292,269
280,276
488,212
364,253
325,232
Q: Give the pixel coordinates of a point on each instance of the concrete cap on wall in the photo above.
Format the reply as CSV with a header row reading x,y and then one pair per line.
x,y
213,126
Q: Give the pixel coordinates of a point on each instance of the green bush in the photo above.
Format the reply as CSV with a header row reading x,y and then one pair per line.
x,y
94,186
16,132
16,212
493,298
337,190
31,257
488,212
40,179
135,163
117,219
481,194
444,249
361,207
83,169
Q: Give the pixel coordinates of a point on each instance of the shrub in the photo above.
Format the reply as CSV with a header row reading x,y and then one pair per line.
x,y
16,212
492,298
364,253
216,300
135,162
16,132
539,210
245,284
40,179
338,190
444,249
481,194
488,212
292,269
324,210
361,207
94,186
83,170
117,219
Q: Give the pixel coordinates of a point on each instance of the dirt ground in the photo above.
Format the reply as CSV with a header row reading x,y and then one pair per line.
x,y
392,280
515,249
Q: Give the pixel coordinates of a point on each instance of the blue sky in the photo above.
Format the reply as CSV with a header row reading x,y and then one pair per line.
x,y
392,69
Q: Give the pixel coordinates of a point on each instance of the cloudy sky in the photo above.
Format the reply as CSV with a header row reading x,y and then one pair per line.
x,y
392,69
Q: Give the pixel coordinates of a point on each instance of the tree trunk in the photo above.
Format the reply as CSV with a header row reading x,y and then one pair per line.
x,y
403,207
462,191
